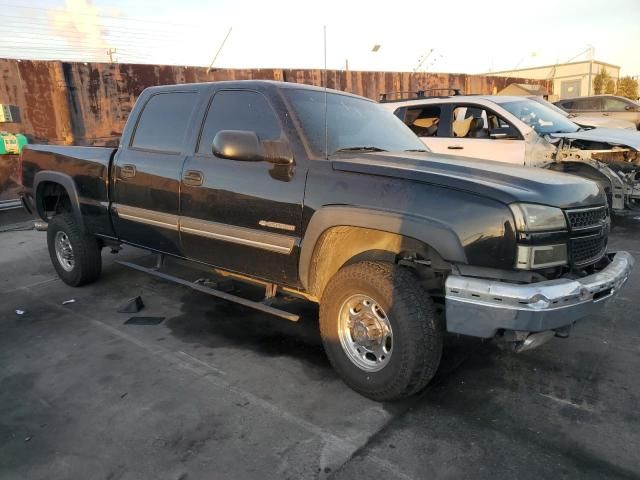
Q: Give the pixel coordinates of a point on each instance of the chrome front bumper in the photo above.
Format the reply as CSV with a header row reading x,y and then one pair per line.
x,y
480,307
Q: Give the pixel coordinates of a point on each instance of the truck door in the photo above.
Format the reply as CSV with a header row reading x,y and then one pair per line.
x,y
147,172
243,216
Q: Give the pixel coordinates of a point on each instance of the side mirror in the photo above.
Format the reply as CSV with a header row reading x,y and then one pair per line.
x,y
245,146
503,133
237,145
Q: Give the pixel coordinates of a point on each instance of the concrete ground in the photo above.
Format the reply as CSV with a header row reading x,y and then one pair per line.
x,y
216,391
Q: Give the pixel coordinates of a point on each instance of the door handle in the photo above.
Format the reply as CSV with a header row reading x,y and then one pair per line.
x,y
127,171
455,147
193,178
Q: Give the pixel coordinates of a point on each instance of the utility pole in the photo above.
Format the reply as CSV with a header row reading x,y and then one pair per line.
x,y
591,51
111,52
219,50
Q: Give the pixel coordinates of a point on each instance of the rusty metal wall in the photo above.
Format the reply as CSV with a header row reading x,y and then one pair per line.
x,y
88,103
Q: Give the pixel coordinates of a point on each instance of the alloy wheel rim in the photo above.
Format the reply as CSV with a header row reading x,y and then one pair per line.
x,y
64,251
365,333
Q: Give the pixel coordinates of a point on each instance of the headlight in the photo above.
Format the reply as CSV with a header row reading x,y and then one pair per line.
x,y
530,257
537,218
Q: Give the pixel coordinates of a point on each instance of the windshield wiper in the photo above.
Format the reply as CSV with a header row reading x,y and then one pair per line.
x,y
416,150
360,149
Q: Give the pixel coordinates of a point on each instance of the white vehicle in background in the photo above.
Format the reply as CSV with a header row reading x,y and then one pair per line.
x,y
526,132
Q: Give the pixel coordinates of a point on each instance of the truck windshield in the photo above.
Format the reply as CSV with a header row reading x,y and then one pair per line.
x,y
539,117
353,124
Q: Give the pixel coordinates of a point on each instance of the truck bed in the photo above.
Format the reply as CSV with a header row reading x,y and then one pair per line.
x,y
88,170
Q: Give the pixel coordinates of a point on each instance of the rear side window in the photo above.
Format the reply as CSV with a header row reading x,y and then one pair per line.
x,y
587,104
423,121
239,110
163,122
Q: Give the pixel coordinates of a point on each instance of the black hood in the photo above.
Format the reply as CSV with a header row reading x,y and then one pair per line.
x,y
500,181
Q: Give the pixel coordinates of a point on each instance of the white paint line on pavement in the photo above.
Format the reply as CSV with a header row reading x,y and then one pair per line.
x,y
30,285
389,467
567,402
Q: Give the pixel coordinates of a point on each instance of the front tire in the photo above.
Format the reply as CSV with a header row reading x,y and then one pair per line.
x,y
74,254
380,330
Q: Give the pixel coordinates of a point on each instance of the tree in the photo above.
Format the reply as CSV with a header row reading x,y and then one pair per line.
x,y
611,87
600,81
628,87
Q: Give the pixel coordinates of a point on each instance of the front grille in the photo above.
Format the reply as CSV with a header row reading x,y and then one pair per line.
x,y
586,250
585,218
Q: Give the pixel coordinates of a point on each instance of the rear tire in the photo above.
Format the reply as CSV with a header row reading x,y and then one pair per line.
x,y
380,330
74,254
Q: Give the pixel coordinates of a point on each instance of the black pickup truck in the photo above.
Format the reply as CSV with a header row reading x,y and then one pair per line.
x,y
325,195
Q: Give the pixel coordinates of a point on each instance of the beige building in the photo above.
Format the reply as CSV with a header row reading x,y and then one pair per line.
x,y
573,79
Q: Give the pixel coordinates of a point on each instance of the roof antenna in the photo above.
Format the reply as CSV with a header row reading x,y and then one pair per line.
x,y
219,50
326,128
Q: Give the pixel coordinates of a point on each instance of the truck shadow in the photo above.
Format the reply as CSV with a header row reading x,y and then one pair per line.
x,y
214,323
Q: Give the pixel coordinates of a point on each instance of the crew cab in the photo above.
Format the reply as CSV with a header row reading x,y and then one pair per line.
x,y
328,196
525,131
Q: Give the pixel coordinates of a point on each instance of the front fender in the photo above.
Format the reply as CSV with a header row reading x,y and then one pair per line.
x,y
433,232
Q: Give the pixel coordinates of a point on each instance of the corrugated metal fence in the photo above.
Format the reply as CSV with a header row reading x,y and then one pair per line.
x,y
88,103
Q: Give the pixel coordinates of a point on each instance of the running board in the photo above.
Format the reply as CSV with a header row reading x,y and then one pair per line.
x,y
216,293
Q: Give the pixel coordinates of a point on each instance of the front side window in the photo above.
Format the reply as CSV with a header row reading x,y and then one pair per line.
x,y
614,104
239,110
351,123
163,122
474,121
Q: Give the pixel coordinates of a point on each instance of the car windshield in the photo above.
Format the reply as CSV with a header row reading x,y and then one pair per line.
x,y
353,124
542,119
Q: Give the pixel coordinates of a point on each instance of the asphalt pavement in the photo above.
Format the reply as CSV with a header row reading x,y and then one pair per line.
x,y
211,390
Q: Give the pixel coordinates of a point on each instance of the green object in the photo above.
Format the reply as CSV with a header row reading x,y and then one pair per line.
x,y
12,143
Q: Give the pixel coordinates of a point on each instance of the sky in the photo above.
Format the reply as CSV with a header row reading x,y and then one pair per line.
x,y
434,36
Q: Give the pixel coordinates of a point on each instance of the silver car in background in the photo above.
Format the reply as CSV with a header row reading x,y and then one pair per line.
x,y
607,106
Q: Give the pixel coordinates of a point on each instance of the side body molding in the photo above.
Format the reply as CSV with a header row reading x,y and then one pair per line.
x,y
428,230
67,182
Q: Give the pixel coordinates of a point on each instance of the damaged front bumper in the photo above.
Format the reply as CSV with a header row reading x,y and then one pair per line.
x,y
483,308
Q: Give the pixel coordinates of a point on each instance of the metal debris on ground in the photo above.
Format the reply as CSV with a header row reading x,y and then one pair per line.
x,y
133,305
67,302
20,312
144,321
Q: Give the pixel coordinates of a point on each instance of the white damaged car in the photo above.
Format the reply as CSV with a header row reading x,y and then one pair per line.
x,y
527,132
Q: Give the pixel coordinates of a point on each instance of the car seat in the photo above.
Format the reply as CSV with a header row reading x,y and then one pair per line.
x,y
426,127
461,127
476,129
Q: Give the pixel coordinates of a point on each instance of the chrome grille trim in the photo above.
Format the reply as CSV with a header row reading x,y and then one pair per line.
x,y
580,219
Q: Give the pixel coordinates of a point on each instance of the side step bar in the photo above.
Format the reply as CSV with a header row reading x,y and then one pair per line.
x,y
216,293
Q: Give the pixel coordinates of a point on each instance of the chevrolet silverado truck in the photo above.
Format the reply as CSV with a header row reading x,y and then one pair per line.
x,y
330,197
